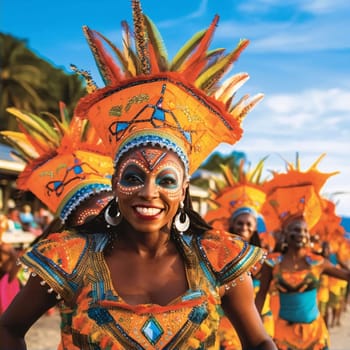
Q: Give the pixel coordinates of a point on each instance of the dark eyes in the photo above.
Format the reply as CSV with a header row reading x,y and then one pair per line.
x,y
166,181
241,223
136,179
132,179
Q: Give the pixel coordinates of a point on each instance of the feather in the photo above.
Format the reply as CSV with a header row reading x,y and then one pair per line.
x,y
90,83
130,60
124,69
297,161
33,123
153,59
140,37
186,50
230,86
196,62
110,72
317,161
157,44
214,55
41,145
256,173
213,74
228,175
241,109
19,141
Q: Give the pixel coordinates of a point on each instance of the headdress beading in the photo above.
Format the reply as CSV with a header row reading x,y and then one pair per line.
x,y
66,161
177,104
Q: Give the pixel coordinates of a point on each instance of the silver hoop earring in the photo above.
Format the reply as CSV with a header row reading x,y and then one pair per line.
x,y
180,225
117,218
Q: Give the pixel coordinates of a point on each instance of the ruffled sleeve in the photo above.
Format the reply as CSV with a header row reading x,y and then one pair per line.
x,y
226,257
60,260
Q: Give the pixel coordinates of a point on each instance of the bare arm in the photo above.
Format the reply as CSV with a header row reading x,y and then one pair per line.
x,y
265,280
28,306
238,305
334,271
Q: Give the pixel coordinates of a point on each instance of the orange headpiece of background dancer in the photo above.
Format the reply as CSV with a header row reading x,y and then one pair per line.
x,y
66,162
329,226
242,193
294,194
178,105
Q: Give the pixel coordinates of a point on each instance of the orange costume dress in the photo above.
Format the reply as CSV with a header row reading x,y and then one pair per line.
x,y
299,324
74,267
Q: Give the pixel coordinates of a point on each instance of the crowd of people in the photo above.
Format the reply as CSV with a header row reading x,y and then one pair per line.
x,y
22,218
125,258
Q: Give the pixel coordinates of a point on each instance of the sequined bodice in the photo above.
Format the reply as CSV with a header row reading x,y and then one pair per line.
x,y
290,281
101,319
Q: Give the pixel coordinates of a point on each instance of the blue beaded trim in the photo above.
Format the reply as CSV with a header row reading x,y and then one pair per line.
x,y
154,140
79,197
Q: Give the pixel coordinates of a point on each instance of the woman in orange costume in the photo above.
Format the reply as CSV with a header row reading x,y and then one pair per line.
x,y
236,206
156,277
67,169
293,205
329,231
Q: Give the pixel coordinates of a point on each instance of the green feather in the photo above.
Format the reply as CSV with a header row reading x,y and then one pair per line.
x,y
34,124
186,50
123,61
157,41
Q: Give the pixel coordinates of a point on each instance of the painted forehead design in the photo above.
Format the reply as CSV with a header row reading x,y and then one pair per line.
x,y
148,159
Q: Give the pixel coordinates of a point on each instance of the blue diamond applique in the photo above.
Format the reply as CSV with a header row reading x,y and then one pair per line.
x,y
152,330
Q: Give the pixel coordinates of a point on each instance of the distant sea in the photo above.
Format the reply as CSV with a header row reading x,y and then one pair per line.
x,y
345,222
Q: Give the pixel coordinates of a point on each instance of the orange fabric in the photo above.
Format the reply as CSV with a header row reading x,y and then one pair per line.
x,y
232,198
302,336
55,181
293,194
162,104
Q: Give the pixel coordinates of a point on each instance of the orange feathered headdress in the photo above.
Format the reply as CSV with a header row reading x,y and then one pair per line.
x,y
178,105
66,161
241,193
329,225
293,194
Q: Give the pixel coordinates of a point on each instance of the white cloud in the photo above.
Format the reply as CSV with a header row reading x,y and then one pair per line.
x,y
309,6
317,108
311,122
324,6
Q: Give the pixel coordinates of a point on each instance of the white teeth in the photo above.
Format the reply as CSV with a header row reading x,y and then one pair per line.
x,y
148,211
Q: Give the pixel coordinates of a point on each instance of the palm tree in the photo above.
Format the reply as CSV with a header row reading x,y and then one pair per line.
x,y
30,83
211,169
20,78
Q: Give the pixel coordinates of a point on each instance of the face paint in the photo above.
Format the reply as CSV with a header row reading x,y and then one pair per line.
x,y
150,185
150,165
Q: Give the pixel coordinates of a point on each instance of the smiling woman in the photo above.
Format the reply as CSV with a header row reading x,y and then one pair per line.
x,y
148,272
293,207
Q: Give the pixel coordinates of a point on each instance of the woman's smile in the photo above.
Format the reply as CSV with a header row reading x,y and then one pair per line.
x,y
147,212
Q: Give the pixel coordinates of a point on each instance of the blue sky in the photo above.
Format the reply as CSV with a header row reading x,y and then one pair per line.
x,y
298,56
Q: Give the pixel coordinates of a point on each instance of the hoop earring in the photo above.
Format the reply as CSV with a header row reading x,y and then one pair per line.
x,y
284,246
181,226
116,219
